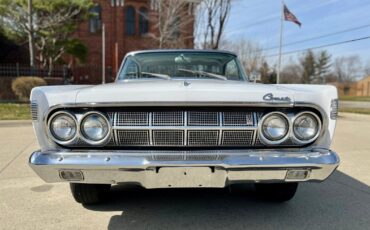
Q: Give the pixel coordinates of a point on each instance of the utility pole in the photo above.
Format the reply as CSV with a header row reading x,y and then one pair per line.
x,y
103,53
31,41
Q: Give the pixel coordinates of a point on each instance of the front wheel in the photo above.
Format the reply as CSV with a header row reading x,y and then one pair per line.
x,y
89,193
277,192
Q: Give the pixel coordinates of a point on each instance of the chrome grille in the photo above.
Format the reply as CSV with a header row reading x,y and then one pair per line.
x,y
237,138
168,137
171,118
133,137
132,119
202,138
237,119
196,118
183,128
34,110
186,156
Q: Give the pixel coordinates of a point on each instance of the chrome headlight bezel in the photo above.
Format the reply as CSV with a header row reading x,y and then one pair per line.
x,y
51,134
295,137
266,140
86,139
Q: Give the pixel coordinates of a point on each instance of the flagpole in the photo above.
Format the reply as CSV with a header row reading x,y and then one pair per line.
x,y
280,42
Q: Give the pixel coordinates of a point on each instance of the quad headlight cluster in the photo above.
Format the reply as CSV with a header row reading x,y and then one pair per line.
x,y
277,127
92,127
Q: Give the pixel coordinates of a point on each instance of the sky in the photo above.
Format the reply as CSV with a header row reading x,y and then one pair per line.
x,y
259,21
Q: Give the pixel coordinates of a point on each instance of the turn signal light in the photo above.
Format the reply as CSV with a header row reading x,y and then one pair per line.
x,y
300,174
71,175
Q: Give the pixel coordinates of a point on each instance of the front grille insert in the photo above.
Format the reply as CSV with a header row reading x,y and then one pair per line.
x,y
168,137
237,138
133,137
132,119
200,118
191,128
237,119
203,138
170,118
179,156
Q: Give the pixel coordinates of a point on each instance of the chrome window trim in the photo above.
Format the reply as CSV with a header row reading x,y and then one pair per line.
x,y
295,139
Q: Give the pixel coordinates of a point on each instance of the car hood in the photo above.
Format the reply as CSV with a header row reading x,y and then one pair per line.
x,y
184,91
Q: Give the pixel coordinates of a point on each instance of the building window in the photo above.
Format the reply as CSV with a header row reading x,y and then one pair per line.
x,y
143,21
130,20
95,22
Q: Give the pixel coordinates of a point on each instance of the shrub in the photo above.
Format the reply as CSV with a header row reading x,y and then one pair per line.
x,y
6,93
22,86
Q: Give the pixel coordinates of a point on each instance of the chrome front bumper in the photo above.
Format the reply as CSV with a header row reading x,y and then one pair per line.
x,y
159,169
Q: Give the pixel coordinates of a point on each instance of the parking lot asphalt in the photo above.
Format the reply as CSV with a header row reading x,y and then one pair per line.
x,y
341,202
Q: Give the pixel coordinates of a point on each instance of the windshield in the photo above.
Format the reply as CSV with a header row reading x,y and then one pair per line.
x,y
172,65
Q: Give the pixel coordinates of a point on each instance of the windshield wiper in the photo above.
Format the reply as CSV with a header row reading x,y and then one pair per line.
x,y
204,73
159,75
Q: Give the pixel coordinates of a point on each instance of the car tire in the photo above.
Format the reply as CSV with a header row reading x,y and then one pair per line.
x,y
276,192
89,193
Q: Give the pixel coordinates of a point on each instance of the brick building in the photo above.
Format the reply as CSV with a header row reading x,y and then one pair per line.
x,y
359,88
363,87
129,25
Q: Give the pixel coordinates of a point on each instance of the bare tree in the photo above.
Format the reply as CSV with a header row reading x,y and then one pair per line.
x,y
347,69
292,73
172,22
367,69
211,19
49,28
250,53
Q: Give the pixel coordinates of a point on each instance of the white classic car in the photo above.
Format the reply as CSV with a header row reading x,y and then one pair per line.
x,y
183,119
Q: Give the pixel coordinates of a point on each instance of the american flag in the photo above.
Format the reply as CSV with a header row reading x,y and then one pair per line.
x,y
289,16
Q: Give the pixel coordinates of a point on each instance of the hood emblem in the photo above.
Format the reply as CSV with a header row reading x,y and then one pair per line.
x,y
270,97
186,83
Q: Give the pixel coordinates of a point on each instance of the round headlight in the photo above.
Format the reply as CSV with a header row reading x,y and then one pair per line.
x,y
95,127
306,126
63,127
275,127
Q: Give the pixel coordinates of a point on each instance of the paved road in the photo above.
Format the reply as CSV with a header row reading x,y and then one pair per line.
x,y
355,104
341,202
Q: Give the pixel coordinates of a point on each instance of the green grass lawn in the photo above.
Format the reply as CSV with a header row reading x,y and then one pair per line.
x,y
11,111
354,98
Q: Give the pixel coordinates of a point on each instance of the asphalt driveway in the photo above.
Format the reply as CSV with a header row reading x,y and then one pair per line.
x,y
341,202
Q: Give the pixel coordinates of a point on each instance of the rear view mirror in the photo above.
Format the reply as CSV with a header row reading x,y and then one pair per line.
x,y
182,59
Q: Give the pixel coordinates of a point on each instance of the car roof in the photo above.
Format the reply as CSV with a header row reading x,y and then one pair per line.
x,y
179,50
